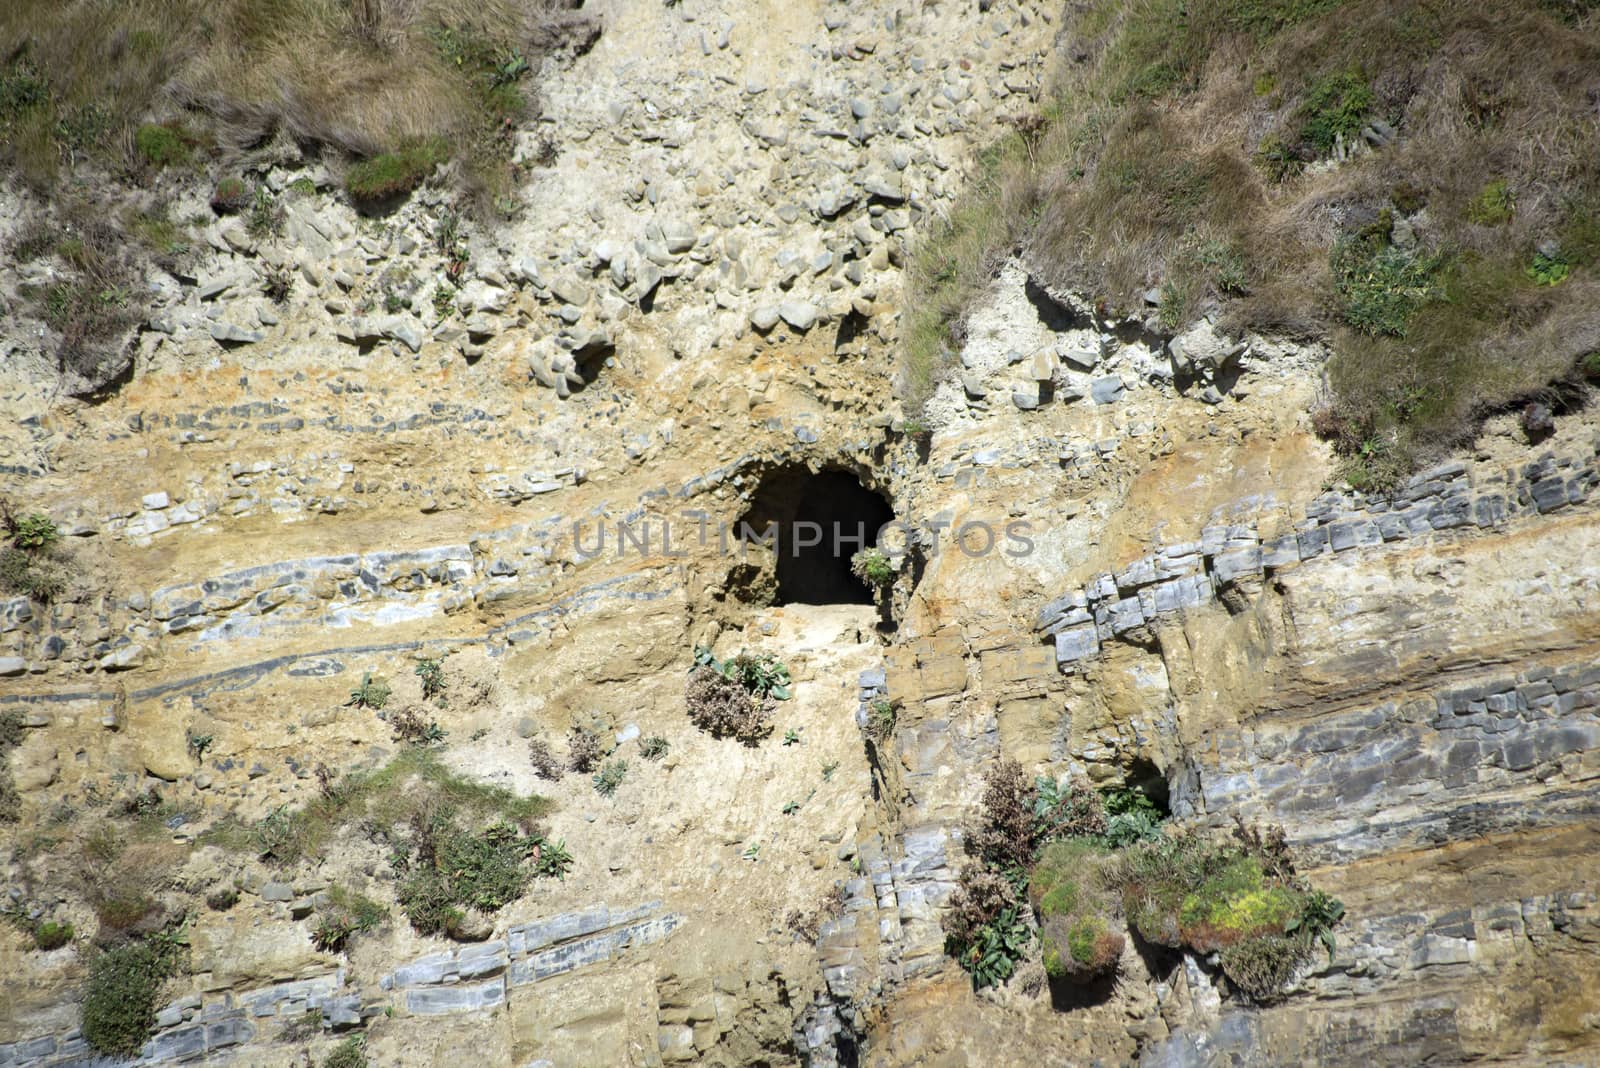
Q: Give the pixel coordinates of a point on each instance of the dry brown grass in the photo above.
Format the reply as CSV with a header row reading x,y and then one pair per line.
x,y
364,77
1184,150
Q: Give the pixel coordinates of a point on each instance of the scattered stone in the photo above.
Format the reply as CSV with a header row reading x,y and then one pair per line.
x,y
1107,390
798,314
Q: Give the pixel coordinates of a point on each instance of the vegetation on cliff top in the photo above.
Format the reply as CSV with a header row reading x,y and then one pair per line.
x,y
1415,181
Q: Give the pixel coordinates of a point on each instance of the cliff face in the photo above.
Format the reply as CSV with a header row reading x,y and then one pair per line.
x,y
697,309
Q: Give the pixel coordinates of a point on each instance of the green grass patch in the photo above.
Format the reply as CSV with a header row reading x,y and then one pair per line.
x,y
163,144
393,174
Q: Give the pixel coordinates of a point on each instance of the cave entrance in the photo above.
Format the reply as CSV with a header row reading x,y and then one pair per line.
x,y
822,519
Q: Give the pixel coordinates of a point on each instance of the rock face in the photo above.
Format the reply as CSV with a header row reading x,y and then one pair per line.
x,y
1135,570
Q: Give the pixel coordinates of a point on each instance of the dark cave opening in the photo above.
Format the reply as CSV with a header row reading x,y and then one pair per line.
x,y
821,520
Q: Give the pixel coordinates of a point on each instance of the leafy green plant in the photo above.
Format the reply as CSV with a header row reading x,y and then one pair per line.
x,y
551,859
761,674
198,744
431,672
610,777
991,954
1548,269
373,693
1589,364
1130,817
791,736
119,1002
654,748
32,532
1335,107
828,769
790,808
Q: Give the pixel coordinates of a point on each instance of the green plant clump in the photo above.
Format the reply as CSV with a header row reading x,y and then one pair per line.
x,y
1381,287
446,870
654,747
874,568
610,777
345,915
373,693
162,145
351,1053
393,174
119,1003
51,935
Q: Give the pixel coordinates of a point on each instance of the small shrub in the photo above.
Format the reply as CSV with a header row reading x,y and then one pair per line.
x,y
1067,809
984,928
277,282
654,748
543,760
723,707
393,174
584,750
231,196
1335,108
610,777
1590,365
807,924
51,935
1004,835
1261,967
119,1003
373,693
351,1053
31,575
162,145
